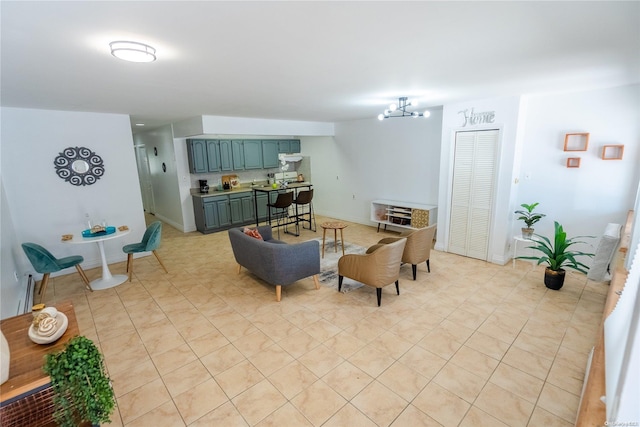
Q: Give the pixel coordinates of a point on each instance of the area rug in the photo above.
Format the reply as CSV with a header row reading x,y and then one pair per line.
x,y
329,264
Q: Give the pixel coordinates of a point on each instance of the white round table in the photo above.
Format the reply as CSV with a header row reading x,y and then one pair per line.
x,y
107,280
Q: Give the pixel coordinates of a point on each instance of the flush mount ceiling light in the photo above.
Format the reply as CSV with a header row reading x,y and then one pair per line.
x,y
133,51
400,110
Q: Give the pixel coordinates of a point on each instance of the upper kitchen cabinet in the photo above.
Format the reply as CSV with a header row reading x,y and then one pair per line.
x,y
286,146
226,160
197,151
213,155
270,150
247,154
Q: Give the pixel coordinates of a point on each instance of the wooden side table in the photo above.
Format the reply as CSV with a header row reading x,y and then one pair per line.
x,y
335,226
25,398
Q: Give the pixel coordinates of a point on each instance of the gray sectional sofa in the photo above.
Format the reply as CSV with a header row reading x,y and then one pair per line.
x,y
274,261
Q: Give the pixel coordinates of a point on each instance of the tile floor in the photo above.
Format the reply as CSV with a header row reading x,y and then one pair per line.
x,y
469,344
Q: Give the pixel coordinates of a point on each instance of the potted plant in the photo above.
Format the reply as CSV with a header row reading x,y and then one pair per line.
x,y
557,256
82,390
529,217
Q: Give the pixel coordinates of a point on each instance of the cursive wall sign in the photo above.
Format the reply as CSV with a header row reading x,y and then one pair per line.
x,y
472,118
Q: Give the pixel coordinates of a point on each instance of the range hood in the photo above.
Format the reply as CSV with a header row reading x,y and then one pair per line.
x,y
295,157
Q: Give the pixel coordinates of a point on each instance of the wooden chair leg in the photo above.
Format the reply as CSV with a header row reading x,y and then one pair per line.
x,y
316,281
84,277
239,268
160,261
43,286
278,292
130,265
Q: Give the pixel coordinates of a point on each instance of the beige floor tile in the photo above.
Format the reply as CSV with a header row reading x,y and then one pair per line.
x,y
142,400
423,361
298,343
256,403
286,415
222,359
517,382
392,344
559,402
185,378
475,418
413,417
504,405
459,381
403,381
347,379
292,379
271,359
492,347
348,415
379,403
540,417
224,415
441,405
130,379
173,359
253,343
208,343
318,402
321,360
239,378
165,415
161,336
474,361
530,363
322,330
199,400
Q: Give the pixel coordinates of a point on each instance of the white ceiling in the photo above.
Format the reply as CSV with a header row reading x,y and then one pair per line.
x,y
319,61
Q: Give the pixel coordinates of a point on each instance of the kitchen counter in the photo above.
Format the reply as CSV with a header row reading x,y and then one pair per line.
x,y
246,189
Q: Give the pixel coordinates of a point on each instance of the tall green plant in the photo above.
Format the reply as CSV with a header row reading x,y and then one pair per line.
x,y
82,389
528,216
558,255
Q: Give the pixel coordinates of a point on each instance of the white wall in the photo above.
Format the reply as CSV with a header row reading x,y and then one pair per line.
x,y
582,199
371,159
43,206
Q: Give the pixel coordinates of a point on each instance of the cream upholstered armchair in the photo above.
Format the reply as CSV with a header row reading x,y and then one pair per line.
x,y
418,247
379,267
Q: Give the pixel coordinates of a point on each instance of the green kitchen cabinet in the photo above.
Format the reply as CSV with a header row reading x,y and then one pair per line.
x,y
235,204
197,154
287,146
237,150
213,155
262,200
270,149
252,153
242,208
226,159
294,146
211,213
248,209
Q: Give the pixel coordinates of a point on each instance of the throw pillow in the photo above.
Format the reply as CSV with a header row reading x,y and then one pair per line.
x,y
253,232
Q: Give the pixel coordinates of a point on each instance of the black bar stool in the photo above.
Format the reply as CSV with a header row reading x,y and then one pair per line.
x,y
282,203
305,198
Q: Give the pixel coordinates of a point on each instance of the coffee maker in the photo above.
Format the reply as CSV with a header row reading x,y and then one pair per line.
x,y
204,188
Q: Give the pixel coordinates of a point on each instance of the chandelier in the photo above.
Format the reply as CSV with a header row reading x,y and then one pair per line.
x,y
400,110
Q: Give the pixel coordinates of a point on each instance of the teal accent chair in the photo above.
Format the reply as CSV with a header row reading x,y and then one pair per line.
x,y
45,263
150,242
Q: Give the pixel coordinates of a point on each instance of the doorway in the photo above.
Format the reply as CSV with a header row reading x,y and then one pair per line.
x,y
473,191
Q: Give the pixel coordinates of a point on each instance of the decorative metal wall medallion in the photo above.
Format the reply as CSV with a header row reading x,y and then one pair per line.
x,y
79,166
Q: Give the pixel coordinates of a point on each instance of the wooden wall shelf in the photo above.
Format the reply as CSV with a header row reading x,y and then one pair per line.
x,y
573,162
576,142
612,152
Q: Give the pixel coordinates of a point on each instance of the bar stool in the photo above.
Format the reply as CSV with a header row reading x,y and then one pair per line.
x,y
282,203
305,198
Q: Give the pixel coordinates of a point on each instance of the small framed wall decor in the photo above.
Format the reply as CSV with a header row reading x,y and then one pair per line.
x,y
573,162
612,152
576,142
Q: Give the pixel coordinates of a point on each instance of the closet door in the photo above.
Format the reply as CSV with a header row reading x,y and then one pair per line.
x,y
472,193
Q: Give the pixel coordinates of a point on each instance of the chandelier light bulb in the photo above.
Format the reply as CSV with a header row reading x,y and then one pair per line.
x,y
426,114
380,116
393,107
400,110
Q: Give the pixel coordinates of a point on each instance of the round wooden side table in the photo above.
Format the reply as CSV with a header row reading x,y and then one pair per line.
x,y
335,226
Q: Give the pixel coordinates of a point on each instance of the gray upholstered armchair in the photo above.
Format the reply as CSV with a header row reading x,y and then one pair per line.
x,y
379,267
274,261
418,247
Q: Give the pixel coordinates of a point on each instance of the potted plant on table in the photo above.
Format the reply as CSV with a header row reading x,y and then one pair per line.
x,y
529,217
82,390
557,256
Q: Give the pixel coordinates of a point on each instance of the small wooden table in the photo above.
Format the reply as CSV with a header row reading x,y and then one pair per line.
x,y
335,226
25,371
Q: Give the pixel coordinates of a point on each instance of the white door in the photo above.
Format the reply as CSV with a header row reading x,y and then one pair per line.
x,y
474,172
144,175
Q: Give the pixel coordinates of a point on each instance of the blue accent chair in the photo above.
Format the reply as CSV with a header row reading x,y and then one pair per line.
x,y
45,263
150,242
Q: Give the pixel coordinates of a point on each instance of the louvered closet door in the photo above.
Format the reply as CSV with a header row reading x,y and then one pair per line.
x,y
472,195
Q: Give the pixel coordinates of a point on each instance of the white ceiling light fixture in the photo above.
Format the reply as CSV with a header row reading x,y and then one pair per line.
x,y
133,51
400,110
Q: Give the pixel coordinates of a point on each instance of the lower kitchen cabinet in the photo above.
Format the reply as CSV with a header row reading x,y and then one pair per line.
x,y
242,209
215,213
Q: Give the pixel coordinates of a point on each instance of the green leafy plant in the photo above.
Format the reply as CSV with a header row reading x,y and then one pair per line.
x,y
82,389
528,216
557,254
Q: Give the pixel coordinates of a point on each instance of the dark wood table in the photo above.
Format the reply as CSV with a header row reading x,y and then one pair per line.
x,y
26,376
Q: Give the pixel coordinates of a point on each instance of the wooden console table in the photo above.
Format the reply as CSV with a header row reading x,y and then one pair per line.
x,y
25,399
